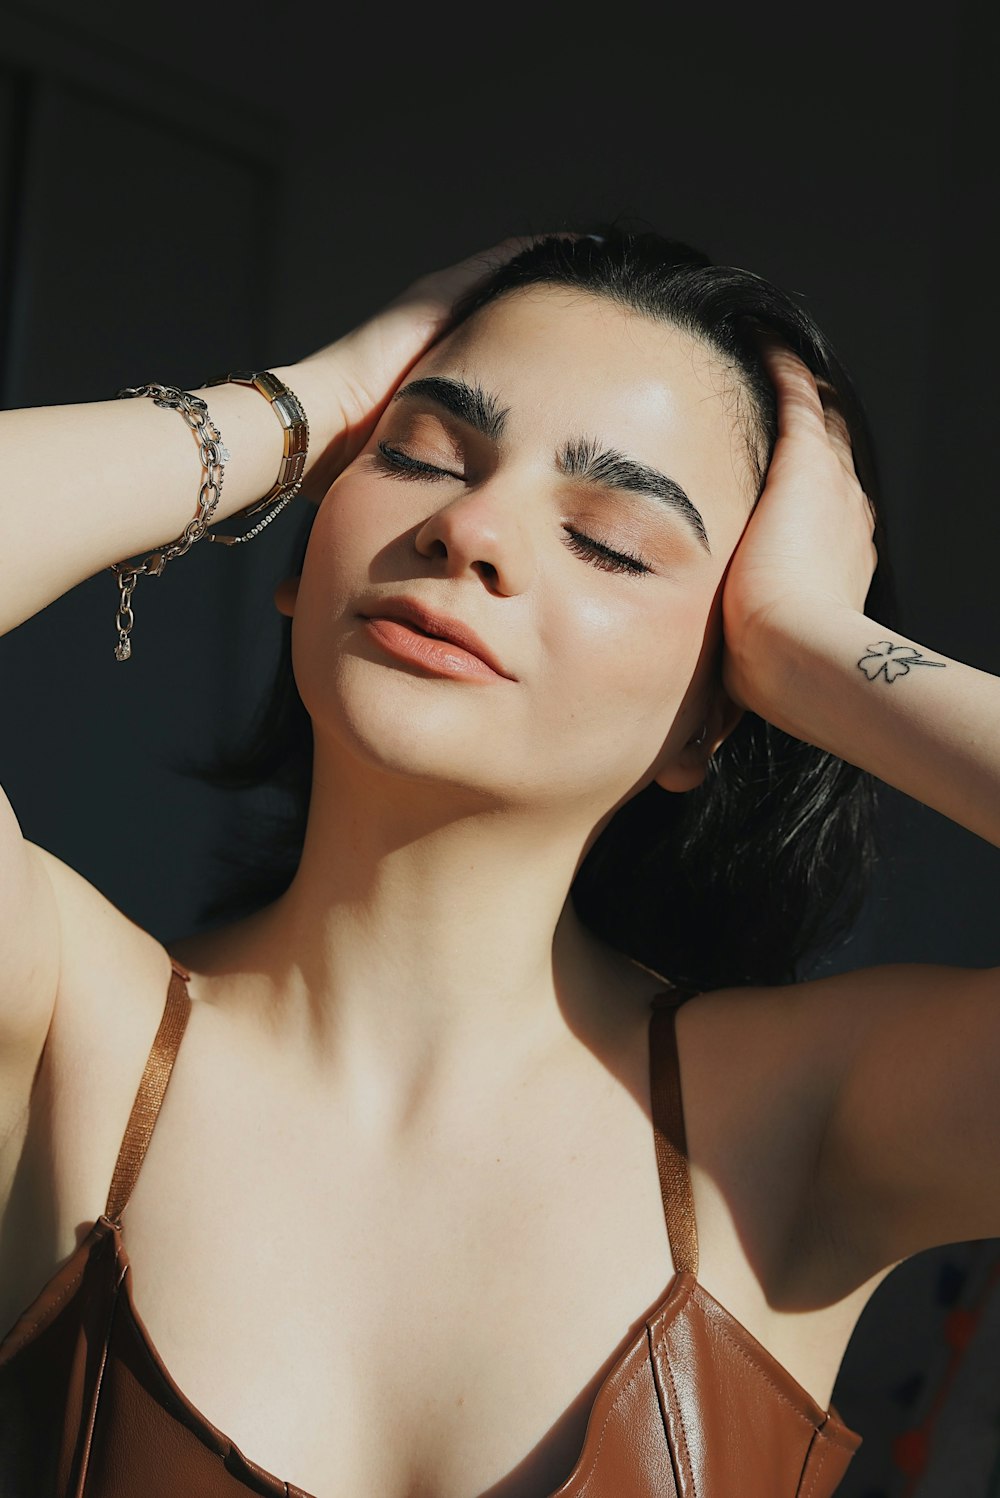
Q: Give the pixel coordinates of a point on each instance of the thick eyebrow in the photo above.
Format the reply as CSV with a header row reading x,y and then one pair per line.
x,y
581,457
470,403
584,458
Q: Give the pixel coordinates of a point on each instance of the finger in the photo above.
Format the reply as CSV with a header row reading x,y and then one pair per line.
x,y
507,248
808,403
484,262
837,429
800,410
839,436
456,280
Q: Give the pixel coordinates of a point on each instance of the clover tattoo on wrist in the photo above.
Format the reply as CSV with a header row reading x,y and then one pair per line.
x,y
892,660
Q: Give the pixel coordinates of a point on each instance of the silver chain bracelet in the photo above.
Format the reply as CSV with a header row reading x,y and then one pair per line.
x,y
214,457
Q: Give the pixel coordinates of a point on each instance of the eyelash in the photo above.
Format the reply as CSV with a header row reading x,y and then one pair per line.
x,y
400,465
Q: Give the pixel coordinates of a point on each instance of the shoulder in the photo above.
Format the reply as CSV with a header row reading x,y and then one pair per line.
x,y
761,1071
913,1118
100,943
112,985
886,1075
766,1056
111,990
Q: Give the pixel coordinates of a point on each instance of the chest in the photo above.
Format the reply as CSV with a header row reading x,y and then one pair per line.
x,y
437,1324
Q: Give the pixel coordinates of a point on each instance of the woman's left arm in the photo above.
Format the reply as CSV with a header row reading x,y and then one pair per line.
x,y
912,1139
801,651
928,725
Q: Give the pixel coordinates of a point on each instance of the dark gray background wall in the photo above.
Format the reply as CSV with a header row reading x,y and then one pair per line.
x,y
187,194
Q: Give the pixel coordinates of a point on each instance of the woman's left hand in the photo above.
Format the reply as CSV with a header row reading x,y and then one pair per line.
x,y
808,547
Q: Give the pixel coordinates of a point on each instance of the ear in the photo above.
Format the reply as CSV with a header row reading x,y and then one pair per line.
x,y
688,767
285,595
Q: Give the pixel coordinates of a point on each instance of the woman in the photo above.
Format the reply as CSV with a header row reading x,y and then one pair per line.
x,y
400,1227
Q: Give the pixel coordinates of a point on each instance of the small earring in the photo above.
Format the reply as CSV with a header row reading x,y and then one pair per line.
x,y
702,736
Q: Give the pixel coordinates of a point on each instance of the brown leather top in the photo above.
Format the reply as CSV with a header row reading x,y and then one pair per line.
x,y
695,1407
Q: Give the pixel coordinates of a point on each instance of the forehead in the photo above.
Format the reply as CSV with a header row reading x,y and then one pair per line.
x,y
567,364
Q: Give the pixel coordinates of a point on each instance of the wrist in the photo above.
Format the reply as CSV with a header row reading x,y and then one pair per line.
x,y
782,657
322,401
253,439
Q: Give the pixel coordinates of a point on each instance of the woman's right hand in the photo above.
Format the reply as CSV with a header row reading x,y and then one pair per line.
x,y
346,385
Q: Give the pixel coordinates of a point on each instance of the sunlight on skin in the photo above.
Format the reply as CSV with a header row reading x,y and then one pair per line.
x,y
467,806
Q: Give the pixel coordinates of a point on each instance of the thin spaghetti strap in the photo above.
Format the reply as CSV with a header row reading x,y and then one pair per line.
x,y
152,1086
669,1134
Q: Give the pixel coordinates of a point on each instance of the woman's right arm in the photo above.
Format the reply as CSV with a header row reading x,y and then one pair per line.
x,y
83,486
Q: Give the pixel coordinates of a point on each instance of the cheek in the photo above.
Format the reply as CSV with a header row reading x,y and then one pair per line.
x,y
349,533
607,659
627,655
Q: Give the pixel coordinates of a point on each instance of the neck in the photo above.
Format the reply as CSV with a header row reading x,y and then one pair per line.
x,y
427,947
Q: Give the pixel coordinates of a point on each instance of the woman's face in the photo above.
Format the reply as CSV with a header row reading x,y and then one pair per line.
x,y
532,513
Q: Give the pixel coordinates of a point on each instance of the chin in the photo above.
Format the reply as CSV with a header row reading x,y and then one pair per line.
x,y
413,728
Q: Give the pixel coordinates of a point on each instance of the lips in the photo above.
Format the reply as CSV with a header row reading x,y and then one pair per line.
x,y
438,626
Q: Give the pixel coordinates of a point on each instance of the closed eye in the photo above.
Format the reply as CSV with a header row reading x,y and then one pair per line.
x,y
602,556
401,465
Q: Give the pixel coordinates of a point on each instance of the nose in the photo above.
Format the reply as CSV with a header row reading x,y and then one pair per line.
x,y
483,531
